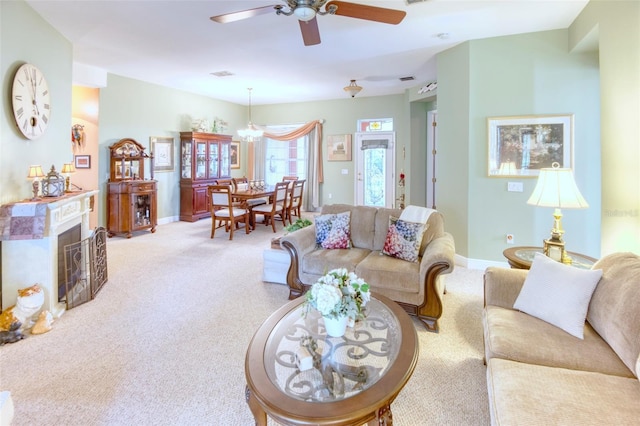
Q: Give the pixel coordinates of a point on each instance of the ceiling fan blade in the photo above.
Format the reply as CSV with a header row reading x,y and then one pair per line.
x,y
370,13
243,14
310,32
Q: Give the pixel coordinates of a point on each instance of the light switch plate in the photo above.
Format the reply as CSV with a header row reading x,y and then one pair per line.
x,y
345,171
515,186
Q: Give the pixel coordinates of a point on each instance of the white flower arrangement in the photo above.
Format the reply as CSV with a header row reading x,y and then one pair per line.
x,y
339,293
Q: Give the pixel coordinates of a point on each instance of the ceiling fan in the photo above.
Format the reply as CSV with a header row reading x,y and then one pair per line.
x,y
307,10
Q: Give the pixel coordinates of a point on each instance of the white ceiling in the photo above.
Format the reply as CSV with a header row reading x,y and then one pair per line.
x,y
174,43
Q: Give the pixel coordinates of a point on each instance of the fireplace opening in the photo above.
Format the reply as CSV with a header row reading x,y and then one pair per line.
x,y
83,271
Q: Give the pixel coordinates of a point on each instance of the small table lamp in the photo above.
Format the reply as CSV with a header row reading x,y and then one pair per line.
x,y
35,173
67,170
557,188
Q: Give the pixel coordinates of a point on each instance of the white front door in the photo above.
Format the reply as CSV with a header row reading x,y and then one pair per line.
x,y
375,169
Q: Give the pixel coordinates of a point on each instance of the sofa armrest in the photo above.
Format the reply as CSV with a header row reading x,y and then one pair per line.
x,y
439,250
298,244
438,259
502,286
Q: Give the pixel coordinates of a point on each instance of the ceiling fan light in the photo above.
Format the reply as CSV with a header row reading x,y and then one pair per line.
x,y
304,13
353,89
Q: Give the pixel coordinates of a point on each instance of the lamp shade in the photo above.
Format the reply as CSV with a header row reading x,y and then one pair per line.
x,y
35,172
68,168
557,188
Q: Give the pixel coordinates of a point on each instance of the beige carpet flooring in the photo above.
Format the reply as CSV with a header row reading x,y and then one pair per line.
x,y
164,341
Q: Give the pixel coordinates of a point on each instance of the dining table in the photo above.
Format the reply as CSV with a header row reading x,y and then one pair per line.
x,y
244,194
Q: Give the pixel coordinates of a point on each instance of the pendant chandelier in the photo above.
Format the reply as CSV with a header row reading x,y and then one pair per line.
x,y
251,132
353,89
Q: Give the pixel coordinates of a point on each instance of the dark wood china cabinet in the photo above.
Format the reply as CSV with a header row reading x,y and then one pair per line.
x,y
204,158
131,199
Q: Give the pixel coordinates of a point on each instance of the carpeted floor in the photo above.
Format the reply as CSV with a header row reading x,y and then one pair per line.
x,y
164,341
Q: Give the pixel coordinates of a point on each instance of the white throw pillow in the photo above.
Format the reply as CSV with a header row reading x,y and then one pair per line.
x,y
558,294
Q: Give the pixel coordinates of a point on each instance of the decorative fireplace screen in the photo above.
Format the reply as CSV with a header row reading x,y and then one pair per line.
x,y
85,264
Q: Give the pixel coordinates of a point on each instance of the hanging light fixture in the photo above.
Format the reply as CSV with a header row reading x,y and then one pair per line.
x,y
250,133
353,89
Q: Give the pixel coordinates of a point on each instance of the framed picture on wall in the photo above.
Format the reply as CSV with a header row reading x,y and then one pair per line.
x,y
521,146
162,150
235,155
339,147
82,161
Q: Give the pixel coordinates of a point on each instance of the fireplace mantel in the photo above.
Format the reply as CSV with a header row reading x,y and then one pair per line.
x,y
29,232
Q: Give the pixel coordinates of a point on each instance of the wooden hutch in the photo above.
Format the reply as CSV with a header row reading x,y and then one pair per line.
x,y
204,157
131,199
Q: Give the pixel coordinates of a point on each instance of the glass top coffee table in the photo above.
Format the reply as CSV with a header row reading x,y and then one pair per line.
x,y
298,375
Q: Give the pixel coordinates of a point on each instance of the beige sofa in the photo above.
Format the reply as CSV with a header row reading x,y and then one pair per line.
x,y
416,286
539,374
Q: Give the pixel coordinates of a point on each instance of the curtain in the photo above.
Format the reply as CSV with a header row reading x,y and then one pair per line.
x,y
315,173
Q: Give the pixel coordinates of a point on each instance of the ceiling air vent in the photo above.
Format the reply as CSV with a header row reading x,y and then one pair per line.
x,y
409,78
410,2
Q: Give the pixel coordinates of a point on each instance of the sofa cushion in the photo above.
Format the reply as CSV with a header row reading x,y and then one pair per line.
x,y
528,394
333,231
614,311
403,239
514,335
383,272
558,293
319,261
362,225
382,225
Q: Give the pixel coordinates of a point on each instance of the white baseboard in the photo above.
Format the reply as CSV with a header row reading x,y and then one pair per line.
x,y
478,263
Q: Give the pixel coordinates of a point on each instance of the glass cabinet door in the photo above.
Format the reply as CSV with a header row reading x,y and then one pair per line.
x,y
213,161
186,160
201,159
225,159
142,209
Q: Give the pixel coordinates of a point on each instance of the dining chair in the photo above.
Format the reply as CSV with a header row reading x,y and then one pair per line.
x,y
278,206
224,210
253,201
287,178
295,201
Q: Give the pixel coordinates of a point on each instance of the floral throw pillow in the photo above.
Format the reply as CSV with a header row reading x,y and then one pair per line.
x,y
403,239
333,231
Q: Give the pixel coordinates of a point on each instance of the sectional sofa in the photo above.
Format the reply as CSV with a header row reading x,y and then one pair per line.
x,y
538,373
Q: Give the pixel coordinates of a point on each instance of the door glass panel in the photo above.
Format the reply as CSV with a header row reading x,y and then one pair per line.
x,y
201,160
374,177
213,161
186,160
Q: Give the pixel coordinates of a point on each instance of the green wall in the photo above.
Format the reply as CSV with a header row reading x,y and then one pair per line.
x,y
26,38
139,110
512,76
341,116
616,26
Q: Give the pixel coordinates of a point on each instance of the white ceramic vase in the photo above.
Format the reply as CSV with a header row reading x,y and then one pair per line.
x,y
336,327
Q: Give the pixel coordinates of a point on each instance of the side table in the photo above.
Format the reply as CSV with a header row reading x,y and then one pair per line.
x,y
521,258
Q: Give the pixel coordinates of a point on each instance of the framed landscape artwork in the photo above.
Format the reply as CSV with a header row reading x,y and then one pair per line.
x,y
162,150
521,146
339,148
235,155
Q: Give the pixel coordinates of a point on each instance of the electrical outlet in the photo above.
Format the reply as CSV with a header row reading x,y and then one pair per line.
x,y
510,239
330,195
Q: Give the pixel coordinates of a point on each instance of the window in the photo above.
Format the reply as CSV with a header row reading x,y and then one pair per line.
x,y
285,158
375,125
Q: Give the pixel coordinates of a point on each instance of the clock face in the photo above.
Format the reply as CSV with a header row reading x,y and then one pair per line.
x,y
31,101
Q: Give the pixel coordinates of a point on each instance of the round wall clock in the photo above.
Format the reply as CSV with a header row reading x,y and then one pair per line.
x,y
31,101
